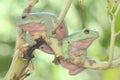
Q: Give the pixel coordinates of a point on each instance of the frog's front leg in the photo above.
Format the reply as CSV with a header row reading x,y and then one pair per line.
x,y
49,25
83,57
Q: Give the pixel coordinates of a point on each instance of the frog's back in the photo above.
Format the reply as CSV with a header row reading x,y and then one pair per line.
x,y
38,17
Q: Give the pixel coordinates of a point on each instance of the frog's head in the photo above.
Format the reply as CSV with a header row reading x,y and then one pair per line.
x,y
79,43
83,39
86,33
83,34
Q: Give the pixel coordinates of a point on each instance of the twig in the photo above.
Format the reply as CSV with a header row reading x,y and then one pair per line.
x,y
28,7
18,64
113,37
118,33
112,41
22,57
62,14
101,65
117,10
54,45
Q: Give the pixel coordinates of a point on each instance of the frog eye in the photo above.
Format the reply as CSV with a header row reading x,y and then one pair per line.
x,y
86,31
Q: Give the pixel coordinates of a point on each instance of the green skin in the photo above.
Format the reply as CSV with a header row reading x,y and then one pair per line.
x,y
42,17
81,35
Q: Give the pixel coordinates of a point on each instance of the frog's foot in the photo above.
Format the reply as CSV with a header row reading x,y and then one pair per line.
x,y
28,55
26,51
91,61
53,36
47,39
57,60
31,66
83,58
23,49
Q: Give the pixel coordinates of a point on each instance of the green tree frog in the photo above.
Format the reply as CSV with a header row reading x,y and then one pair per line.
x,y
41,24
74,46
46,18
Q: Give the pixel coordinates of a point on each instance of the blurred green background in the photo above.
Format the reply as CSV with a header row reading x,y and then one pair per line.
x,y
91,14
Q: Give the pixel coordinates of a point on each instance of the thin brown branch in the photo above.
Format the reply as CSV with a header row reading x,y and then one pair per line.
x,y
28,7
101,65
117,10
62,14
54,45
18,64
112,40
22,57
118,33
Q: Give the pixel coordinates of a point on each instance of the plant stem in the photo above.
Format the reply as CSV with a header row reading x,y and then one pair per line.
x,y
112,41
117,33
29,6
101,65
57,49
17,68
113,37
18,64
62,14
117,10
